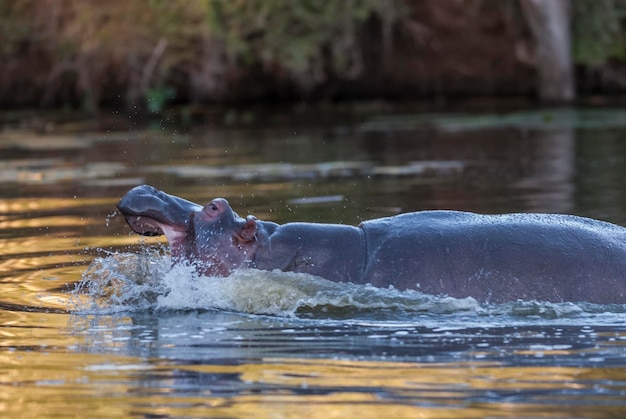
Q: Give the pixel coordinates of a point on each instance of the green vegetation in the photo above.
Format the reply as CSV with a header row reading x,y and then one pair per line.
x,y
305,38
146,53
598,31
89,50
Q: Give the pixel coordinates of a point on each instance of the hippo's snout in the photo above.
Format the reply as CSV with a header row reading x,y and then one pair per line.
x,y
151,212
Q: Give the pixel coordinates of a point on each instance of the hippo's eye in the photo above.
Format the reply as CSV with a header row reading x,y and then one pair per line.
x,y
213,207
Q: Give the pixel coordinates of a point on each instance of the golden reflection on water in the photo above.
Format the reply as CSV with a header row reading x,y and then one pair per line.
x,y
20,205
43,245
43,251
444,380
55,384
46,222
24,330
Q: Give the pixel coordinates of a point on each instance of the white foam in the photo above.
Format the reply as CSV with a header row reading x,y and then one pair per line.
x,y
145,281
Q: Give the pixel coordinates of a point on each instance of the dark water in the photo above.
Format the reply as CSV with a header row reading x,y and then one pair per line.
x,y
94,323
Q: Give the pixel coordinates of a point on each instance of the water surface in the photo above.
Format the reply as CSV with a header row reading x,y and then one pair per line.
x,y
94,323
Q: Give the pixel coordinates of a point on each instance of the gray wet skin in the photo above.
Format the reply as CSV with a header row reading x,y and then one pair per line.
x,y
493,258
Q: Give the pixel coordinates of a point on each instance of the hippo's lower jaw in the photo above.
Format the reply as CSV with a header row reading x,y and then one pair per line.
x,y
145,226
148,226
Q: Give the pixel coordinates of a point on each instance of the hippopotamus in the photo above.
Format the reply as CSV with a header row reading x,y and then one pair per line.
x,y
492,258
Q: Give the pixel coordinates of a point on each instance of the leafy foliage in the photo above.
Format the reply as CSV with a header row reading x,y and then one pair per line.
x,y
307,38
147,47
598,32
144,53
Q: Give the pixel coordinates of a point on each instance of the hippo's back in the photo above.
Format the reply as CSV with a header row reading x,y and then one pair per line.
x,y
498,257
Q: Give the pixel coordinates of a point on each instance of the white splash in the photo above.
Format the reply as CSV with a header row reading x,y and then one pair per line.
x,y
146,281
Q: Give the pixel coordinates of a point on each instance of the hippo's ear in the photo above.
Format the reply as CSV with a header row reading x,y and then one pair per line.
x,y
248,232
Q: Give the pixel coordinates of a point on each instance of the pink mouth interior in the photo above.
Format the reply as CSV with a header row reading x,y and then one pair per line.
x,y
145,225
150,227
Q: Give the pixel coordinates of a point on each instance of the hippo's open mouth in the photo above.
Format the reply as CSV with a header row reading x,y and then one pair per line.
x,y
144,225
148,226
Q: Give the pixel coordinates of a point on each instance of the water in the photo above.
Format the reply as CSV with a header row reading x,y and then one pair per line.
x,y
94,323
